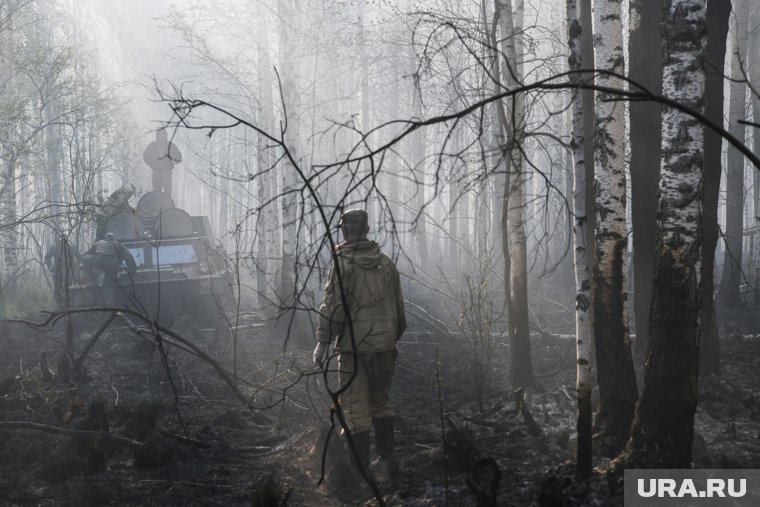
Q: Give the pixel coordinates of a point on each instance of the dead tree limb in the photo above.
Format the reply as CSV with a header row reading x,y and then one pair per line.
x,y
25,425
102,329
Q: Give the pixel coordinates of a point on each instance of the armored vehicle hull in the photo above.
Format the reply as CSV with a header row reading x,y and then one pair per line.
x,y
181,274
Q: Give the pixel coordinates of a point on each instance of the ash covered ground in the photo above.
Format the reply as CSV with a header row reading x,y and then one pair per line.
x,y
165,429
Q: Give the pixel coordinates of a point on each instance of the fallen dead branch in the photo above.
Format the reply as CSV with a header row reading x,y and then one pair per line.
x,y
25,425
102,329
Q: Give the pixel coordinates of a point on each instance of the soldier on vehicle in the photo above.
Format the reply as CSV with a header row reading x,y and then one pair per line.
x,y
118,202
161,155
61,259
106,256
372,306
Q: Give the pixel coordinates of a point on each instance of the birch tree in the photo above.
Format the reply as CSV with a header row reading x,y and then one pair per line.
x,y
617,380
663,429
584,380
514,239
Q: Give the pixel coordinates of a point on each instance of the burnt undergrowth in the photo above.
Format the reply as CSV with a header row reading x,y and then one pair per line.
x,y
139,429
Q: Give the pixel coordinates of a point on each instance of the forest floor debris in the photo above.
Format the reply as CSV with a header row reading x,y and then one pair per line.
x,y
197,445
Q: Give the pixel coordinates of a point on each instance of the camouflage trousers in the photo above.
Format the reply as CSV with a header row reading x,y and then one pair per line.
x,y
109,266
368,394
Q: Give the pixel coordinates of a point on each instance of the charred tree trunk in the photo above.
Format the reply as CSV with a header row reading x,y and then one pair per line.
x,y
663,429
753,59
718,12
645,69
615,373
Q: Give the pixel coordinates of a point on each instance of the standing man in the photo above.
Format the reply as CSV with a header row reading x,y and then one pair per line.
x,y
375,312
107,255
161,155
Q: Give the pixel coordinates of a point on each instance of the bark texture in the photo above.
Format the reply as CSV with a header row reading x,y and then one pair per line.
x,y
615,373
718,12
664,425
584,379
513,208
728,294
645,69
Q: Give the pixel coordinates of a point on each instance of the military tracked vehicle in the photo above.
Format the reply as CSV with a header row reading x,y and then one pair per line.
x,y
181,271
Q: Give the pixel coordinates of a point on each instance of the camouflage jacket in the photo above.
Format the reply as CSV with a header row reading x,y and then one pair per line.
x,y
372,291
114,249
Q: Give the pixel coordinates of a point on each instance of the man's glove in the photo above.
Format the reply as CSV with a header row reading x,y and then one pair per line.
x,y
319,353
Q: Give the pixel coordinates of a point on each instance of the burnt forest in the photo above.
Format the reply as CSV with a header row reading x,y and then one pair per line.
x,y
379,252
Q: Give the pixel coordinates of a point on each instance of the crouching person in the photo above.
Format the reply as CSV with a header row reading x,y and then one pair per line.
x,y
366,357
104,261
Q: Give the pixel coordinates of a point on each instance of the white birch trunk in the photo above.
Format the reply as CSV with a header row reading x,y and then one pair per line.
x,y
584,380
617,381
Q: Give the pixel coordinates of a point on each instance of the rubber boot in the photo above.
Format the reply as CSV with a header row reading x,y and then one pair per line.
x,y
345,480
385,467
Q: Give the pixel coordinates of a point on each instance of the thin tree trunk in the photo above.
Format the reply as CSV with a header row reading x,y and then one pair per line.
x,y
584,381
289,75
615,373
522,362
728,294
393,169
589,118
365,119
225,172
718,12
754,71
513,207
663,429
419,163
9,232
265,222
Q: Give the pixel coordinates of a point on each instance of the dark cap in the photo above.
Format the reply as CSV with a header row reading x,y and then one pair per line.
x,y
354,216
